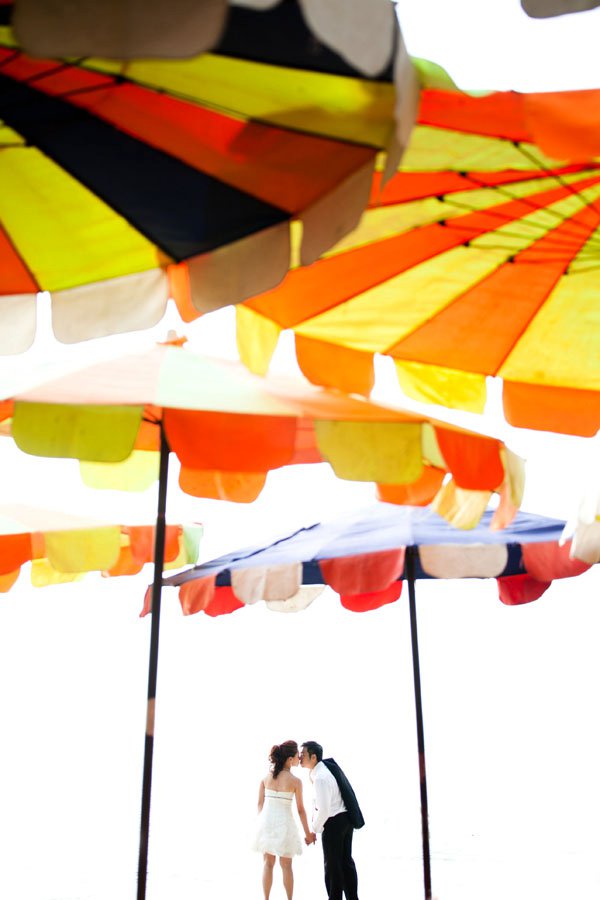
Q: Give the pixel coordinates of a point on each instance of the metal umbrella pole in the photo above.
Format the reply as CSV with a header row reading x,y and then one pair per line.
x,y
410,577
159,556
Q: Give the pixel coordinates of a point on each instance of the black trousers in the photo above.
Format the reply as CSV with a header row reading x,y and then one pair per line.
x,y
340,871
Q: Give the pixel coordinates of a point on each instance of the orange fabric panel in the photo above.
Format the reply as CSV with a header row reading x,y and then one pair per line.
x,y
7,581
550,560
6,408
474,461
566,125
419,493
373,599
330,365
15,549
125,564
305,445
233,442
179,289
514,590
238,487
195,596
407,186
547,408
16,277
148,436
142,542
364,573
500,114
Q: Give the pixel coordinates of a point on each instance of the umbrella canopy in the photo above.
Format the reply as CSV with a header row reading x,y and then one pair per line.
x,y
125,183
362,557
478,258
62,547
229,428
545,9
132,29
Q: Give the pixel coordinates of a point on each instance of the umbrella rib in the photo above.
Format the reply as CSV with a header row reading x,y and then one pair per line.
x,y
557,176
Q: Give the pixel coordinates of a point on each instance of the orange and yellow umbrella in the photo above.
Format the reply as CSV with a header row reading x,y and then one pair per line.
x,y
62,547
480,257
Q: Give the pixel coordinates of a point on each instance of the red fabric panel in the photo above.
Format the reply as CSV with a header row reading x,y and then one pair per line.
x,y
364,573
565,410
224,601
16,277
514,590
474,461
550,560
372,599
565,124
228,441
15,549
500,114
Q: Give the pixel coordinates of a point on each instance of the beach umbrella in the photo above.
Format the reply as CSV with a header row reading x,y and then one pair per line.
x,y
480,257
62,547
228,429
366,558
124,183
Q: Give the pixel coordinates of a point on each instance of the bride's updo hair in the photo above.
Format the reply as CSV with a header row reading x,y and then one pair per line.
x,y
279,754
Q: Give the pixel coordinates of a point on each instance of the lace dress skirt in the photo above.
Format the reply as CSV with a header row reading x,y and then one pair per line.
x,y
276,830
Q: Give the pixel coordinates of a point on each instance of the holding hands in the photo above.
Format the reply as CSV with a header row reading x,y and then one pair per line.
x,y
310,838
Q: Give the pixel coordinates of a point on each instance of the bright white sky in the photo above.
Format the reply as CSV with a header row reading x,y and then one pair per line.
x,y
507,691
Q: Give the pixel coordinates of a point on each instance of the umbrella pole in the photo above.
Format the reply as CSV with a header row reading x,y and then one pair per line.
x,y
159,555
410,577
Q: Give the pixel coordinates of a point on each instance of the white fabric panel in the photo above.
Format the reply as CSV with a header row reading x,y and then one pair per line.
x,y
121,29
18,318
248,585
586,542
239,270
456,561
336,214
301,600
283,582
130,303
360,31
544,9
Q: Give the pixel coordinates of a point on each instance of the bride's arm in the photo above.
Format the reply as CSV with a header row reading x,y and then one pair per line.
x,y
261,796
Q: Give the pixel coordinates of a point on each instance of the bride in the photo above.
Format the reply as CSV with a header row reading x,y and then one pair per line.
x,y
276,833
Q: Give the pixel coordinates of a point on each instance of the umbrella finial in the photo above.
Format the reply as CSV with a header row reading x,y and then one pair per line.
x,y
173,339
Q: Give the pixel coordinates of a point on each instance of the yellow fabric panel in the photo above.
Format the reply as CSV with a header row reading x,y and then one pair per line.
x,y
446,387
378,318
460,507
44,210
435,149
97,433
43,574
335,106
389,453
83,550
136,473
569,318
432,455
256,339
9,138
587,258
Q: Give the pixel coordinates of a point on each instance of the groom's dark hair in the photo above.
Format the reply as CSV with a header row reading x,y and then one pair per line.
x,y
312,748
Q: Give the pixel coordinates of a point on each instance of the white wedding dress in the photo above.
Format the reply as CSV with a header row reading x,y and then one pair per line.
x,y
276,830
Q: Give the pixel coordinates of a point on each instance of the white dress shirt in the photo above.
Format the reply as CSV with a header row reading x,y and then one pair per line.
x,y
328,800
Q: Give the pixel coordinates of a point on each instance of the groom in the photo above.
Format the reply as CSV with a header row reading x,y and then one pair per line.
x,y
337,814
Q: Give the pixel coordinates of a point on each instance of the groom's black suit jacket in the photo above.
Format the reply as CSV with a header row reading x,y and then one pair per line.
x,y
348,795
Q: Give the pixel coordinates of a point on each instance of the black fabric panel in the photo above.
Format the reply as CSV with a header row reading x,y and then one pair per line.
x,y
280,36
181,210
